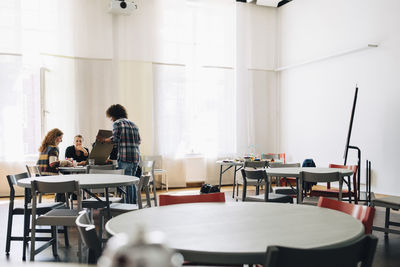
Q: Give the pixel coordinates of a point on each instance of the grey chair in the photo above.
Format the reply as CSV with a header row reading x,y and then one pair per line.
x,y
286,190
34,171
89,237
357,253
158,169
148,169
99,167
250,182
261,175
56,217
41,208
97,202
312,177
120,208
389,203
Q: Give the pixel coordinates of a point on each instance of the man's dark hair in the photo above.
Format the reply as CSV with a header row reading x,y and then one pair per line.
x,y
116,112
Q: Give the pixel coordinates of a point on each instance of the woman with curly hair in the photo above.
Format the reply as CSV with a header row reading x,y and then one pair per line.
x,y
48,160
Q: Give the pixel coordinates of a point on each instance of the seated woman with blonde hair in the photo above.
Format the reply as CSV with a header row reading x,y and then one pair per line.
x,y
77,151
48,160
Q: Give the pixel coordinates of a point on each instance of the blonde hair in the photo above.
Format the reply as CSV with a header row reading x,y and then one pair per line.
x,y
50,139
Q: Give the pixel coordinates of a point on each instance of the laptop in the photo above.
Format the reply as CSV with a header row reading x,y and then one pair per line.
x,y
101,151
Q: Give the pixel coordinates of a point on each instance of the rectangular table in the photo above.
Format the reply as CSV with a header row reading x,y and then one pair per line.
x,y
225,165
295,172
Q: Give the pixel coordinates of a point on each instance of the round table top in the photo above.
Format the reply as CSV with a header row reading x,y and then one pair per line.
x,y
295,172
239,232
90,181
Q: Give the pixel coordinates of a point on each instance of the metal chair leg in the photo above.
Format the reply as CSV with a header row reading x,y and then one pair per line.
x,y
9,231
54,240
66,239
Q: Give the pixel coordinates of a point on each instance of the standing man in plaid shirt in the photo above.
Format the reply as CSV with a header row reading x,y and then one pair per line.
x,y
126,137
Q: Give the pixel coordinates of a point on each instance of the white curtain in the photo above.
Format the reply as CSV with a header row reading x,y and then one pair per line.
x,y
19,83
194,92
257,103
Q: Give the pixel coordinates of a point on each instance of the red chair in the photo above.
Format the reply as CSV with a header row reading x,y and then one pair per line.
x,y
334,192
165,200
363,213
181,199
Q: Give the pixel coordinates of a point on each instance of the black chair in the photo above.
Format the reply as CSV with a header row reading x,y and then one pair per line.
x,y
89,236
42,208
350,255
261,175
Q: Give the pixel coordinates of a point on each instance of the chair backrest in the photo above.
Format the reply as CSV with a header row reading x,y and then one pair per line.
x,y
147,166
144,183
12,180
319,177
253,174
33,170
181,199
89,236
100,167
283,165
56,187
156,158
105,171
363,213
354,168
349,255
255,164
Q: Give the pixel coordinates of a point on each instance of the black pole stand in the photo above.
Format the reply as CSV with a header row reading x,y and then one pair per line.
x,y
358,168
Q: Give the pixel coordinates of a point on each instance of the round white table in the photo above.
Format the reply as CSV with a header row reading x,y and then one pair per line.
x,y
239,232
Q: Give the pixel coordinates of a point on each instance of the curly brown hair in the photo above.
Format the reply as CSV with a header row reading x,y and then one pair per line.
x,y
116,112
50,139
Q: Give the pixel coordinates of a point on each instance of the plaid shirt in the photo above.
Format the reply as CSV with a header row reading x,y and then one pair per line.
x,y
126,136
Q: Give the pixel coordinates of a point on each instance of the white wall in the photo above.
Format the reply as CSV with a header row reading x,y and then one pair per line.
x,y
316,99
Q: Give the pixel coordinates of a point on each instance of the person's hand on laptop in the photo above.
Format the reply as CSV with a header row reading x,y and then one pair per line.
x,y
101,139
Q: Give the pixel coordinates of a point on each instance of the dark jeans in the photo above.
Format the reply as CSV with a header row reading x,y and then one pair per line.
x,y
130,169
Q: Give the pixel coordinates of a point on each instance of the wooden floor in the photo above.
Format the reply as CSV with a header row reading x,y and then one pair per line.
x,y
387,254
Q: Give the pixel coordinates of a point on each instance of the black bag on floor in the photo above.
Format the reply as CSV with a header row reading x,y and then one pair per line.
x,y
207,188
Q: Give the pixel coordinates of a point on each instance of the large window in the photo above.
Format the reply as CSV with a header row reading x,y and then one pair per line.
x,y
20,126
195,101
20,110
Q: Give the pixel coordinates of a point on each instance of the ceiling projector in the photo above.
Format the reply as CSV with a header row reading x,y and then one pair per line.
x,y
122,7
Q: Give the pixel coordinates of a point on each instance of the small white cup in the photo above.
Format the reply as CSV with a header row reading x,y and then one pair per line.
x,y
91,161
